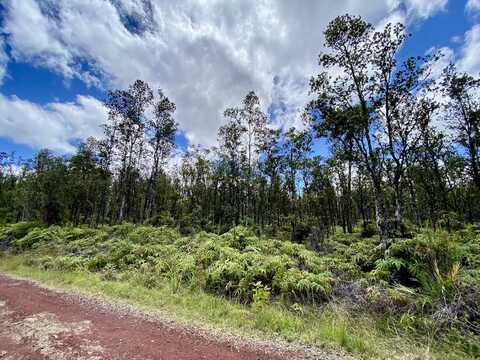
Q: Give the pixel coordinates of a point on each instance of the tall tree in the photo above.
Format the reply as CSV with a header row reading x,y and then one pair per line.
x,y
126,126
463,113
253,121
161,130
368,101
233,155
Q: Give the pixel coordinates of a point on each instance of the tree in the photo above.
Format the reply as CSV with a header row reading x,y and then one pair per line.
x,y
462,110
297,147
424,163
251,119
161,131
399,93
341,165
368,102
50,187
270,168
233,155
88,184
125,131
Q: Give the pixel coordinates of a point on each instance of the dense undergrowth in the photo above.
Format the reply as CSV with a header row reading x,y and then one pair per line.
x,y
424,289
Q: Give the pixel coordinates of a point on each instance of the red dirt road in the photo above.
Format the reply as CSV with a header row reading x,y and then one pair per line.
x,y
36,323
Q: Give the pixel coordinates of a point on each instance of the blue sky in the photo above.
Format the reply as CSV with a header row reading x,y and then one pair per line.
x,y
60,57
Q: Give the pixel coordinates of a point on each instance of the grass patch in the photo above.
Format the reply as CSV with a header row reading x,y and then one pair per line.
x,y
331,327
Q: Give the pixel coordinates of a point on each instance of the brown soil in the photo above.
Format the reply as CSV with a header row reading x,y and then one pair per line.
x,y
36,323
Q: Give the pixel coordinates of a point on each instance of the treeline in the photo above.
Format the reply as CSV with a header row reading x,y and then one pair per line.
x,y
403,152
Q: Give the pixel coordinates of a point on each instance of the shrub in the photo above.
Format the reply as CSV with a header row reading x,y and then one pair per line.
x,y
187,225
261,294
110,272
450,221
368,230
431,275
427,259
97,263
301,232
69,263
303,286
39,235
162,219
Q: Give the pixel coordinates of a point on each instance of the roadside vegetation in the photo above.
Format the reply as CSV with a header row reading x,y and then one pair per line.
x,y
419,299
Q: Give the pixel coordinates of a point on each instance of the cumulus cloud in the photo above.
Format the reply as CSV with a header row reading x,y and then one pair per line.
x,y
466,58
54,126
417,9
469,59
472,6
425,8
3,60
447,57
206,55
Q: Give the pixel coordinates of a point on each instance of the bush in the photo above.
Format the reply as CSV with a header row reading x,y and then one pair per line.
x,y
36,236
300,233
369,230
428,259
97,263
233,264
450,221
162,219
261,294
10,233
304,286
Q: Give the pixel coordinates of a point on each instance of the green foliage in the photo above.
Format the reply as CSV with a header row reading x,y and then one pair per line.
x,y
233,264
431,259
450,221
60,263
9,234
261,294
19,230
164,218
369,230
303,286
422,285
39,235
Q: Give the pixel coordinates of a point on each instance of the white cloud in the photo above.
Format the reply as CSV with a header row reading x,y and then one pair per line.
x,y
469,59
52,126
418,9
472,6
33,38
206,55
466,58
425,8
447,58
3,60
287,101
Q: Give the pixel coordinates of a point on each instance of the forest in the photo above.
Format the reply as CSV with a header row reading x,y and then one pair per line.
x,y
403,151
387,212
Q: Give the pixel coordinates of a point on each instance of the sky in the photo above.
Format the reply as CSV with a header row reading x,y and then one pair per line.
x,y
58,58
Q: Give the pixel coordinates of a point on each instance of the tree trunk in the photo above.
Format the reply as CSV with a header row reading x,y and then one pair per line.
x,y
472,149
413,196
398,205
380,212
349,198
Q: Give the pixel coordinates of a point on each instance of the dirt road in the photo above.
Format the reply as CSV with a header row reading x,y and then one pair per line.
x,y
36,323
